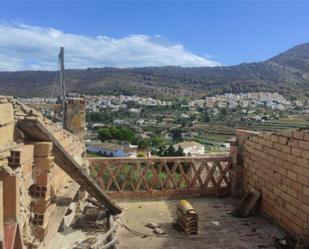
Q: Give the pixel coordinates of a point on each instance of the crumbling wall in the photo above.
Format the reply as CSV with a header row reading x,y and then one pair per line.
x,y
14,176
6,130
75,120
30,181
20,162
277,164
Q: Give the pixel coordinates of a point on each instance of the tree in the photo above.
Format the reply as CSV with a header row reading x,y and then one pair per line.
x,y
179,152
104,134
143,144
116,133
156,141
170,151
141,154
161,151
176,133
205,117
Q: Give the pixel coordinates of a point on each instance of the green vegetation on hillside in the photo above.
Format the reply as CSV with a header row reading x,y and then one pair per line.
x,y
287,73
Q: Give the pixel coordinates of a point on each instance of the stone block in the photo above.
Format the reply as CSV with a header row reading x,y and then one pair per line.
x,y
21,155
291,158
243,135
283,140
4,153
27,174
3,99
43,149
298,135
305,154
277,146
274,138
3,162
292,175
6,134
44,163
296,151
302,162
293,142
6,114
304,145
306,190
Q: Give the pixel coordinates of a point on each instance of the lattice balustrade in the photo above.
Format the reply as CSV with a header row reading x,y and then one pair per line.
x,y
163,176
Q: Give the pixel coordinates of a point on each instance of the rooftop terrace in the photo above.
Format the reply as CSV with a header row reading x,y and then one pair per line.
x,y
217,228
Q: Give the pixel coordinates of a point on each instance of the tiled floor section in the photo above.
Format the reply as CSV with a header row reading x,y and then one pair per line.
x,y
231,233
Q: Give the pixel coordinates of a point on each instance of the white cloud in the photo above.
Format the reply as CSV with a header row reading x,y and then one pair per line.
x,y
24,47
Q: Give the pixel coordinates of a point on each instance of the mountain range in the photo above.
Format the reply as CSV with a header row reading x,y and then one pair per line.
x,y
286,73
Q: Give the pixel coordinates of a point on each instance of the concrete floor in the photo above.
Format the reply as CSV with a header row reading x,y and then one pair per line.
x,y
217,228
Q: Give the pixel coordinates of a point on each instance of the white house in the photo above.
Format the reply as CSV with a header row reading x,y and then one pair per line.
x,y
191,148
112,150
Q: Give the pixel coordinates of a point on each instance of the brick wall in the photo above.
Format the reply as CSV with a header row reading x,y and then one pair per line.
x,y
277,164
30,181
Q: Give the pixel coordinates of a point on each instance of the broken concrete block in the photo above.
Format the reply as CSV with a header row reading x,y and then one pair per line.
x,y
39,191
6,114
44,163
27,173
21,155
159,231
43,149
3,163
3,99
40,205
152,225
40,232
38,219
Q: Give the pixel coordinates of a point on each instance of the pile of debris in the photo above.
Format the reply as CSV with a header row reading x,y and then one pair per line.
x,y
94,225
93,217
187,217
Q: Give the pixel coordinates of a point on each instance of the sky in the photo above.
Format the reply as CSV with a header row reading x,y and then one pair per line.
x,y
147,33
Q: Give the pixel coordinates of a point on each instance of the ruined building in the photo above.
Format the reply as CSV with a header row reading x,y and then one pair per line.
x,y
41,169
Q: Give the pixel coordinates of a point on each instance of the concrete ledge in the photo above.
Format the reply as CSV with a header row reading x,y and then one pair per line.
x,y
170,194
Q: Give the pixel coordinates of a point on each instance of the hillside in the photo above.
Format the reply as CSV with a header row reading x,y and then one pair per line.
x,y
287,73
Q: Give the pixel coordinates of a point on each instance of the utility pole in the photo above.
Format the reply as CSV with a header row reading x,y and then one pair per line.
x,y
62,81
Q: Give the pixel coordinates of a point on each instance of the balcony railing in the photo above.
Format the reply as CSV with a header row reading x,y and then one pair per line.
x,y
163,176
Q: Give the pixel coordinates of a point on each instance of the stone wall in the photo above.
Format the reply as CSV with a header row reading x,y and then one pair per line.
x,y
277,164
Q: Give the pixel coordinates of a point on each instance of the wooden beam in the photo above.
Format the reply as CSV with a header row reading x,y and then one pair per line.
x,y
34,129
